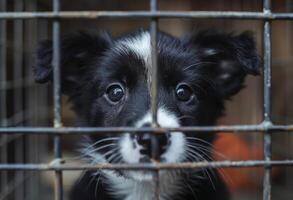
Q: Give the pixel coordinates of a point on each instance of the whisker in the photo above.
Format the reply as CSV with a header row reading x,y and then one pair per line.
x,y
194,155
109,152
200,148
99,141
192,65
114,155
97,149
186,116
81,176
119,157
225,176
85,152
197,64
211,149
200,140
94,175
97,184
200,151
207,173
190,188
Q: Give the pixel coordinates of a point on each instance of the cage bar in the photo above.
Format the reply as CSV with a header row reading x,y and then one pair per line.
x,y
146,14
154,92
267,182
57,99
154,70
276,129
60,165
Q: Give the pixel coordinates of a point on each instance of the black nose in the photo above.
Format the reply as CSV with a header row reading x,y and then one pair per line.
x,y
152,144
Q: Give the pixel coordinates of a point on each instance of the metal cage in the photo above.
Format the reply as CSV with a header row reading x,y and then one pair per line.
x,y
25,135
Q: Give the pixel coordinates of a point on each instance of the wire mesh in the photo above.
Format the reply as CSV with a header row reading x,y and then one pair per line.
x,y
26,136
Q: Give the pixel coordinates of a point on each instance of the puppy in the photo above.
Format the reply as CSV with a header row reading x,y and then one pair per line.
x,y
108,81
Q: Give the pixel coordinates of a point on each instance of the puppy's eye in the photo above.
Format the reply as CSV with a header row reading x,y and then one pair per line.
x,y
115,92
183,92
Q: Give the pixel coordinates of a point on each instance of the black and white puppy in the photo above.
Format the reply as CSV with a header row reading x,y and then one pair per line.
x,y
108,81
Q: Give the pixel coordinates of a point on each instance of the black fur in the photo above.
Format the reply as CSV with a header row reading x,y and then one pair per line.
x,y
213,64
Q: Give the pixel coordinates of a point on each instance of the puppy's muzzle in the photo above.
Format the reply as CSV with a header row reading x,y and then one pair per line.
x,y
153,146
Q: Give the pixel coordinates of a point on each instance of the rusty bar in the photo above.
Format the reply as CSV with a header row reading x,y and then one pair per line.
x,y
59,165
147,14
154,72
100,130
58,186
267,182
154,92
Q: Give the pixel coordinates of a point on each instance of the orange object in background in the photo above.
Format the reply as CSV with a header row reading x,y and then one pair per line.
x,y
234,147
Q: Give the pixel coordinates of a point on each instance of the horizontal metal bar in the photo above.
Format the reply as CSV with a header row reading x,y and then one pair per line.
x,y
96,130
57,165
147,14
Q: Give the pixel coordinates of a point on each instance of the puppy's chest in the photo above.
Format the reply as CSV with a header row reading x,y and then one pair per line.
x,y
145,190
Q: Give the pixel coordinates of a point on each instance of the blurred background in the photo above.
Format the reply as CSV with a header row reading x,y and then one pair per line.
x,y
24,103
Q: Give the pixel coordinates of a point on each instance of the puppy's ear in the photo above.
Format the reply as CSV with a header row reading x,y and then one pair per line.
x,y
231,58
77,54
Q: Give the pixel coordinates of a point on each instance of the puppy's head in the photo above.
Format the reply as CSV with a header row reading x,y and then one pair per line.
x,y
108,81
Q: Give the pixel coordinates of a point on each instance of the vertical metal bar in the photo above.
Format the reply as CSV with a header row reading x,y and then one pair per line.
x,y
154,90
18,94
267,65
57,98
154,71
3,100
153,34
267,101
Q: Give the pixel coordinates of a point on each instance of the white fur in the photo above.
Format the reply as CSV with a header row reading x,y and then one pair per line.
x,y
130,154
140,45
143,190
174,153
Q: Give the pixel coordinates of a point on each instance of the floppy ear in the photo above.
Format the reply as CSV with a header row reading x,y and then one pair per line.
x,y
77,52
231,58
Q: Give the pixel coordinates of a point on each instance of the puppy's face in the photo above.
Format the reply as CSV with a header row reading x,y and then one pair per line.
x,y
109,82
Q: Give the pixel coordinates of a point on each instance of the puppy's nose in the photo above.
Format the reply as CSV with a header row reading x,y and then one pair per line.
x,y
147,140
